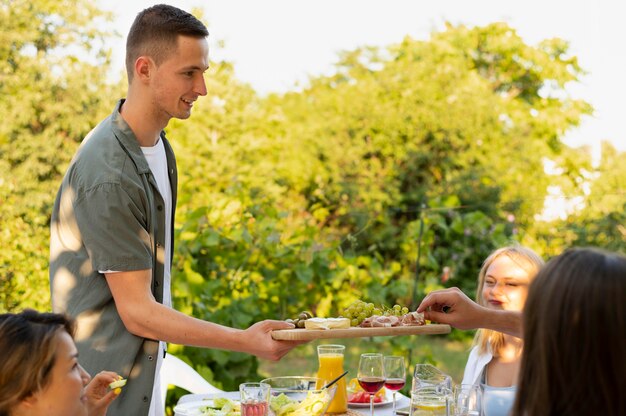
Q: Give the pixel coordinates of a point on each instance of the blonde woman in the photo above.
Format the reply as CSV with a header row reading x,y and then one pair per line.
x,y
494,361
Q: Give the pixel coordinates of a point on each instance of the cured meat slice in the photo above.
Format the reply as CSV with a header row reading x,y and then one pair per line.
x,y
411,318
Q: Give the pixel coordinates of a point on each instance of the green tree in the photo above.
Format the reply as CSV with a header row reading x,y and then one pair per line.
x,y
315,198
52,79
600,217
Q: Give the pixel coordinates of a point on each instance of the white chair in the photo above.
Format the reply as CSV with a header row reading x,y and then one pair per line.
x,y
177,372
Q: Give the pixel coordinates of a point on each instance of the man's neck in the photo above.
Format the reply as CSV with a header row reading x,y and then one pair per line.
x,y
142,122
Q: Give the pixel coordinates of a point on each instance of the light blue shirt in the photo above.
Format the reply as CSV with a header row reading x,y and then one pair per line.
x,y
497,401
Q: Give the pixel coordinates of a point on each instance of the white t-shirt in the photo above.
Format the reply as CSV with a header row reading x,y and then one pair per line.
x,y
157,161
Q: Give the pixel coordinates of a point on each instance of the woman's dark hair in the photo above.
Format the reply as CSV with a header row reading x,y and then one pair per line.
x,y
27,353
155,32
574,359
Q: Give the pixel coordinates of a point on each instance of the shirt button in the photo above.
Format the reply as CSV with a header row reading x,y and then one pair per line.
x,y
145,399
150,357
160,207
159,244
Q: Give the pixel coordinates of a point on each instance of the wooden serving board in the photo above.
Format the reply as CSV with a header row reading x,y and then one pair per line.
x,y
356,332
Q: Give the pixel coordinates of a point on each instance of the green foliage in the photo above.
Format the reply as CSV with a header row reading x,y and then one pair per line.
x,y
316,198
50,97
393,177
601,219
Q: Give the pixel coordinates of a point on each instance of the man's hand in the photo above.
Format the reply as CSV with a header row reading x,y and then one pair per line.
x,y
262,344
145,317
98,395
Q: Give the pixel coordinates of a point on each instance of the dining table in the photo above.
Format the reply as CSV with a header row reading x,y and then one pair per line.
x,y
379,410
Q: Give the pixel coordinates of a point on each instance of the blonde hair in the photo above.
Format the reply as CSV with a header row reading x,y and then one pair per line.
x,y
526,259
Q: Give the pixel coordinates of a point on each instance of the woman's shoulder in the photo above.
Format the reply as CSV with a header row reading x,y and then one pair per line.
x,y
476,361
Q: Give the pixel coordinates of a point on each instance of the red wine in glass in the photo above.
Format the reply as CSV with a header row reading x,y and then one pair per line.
x,y
394,384
372,384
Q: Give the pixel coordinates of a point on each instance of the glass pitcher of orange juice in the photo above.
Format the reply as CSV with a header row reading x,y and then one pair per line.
x,y
331,366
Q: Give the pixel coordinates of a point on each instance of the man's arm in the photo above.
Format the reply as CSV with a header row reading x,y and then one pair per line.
x,y
453,307
145,317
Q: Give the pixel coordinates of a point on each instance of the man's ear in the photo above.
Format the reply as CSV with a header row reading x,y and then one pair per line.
x,y
144,67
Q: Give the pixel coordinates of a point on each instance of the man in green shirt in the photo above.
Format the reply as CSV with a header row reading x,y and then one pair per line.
x,y
112,222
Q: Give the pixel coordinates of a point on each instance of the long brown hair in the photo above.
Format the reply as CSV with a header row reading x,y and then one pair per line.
x,y
574,359
526,259
27,353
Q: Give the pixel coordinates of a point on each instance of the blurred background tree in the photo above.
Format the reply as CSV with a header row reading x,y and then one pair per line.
x,y
312,199
53,71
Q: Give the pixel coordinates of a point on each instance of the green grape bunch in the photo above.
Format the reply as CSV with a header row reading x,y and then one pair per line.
x,y
358,310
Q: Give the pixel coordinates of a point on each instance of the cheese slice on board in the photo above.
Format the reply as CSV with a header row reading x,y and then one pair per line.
x,y
327,323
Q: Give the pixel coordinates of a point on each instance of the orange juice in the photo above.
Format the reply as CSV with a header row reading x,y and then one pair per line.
x,y
331,366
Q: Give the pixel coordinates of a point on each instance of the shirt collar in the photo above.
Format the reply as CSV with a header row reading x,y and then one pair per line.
x,y
127,139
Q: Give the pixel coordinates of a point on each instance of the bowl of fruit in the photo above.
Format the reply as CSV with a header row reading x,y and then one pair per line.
x,y
299,396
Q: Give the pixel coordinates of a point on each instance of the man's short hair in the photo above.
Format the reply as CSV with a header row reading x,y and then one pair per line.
x,y
155,31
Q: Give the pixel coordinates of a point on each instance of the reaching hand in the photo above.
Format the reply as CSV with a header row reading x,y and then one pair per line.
x,y
453,307
99,397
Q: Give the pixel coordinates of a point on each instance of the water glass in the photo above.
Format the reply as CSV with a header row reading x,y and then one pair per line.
x,y
431,401
467,400
426,375
255,399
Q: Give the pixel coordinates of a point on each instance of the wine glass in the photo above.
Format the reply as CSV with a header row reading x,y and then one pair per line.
x,y
395,375
371,375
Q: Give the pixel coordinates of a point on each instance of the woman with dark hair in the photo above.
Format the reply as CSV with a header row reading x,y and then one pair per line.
x,y
574,360
39,369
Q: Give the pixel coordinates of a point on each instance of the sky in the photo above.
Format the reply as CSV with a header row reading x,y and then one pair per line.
x,y
276,44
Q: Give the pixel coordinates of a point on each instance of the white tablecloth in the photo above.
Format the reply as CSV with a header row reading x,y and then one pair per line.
x,y
385,410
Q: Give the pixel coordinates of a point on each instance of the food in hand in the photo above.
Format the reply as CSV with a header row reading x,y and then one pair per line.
x,y
117,385
327,323
120,382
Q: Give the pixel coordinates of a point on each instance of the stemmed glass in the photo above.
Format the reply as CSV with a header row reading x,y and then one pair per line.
x,y
395,375
371,375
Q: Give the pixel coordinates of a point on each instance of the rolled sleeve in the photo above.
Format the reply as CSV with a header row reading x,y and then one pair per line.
x,y
114,228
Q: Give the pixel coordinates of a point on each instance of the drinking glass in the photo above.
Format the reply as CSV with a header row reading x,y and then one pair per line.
x,y
426,375
331,358
395,375
467,400
255,399
371,375
430,401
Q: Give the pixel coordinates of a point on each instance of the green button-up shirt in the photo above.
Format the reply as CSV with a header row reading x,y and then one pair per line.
x,y
109,215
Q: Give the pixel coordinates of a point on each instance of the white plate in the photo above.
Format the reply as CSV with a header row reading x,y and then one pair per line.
x,y
193,408
385,401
